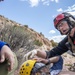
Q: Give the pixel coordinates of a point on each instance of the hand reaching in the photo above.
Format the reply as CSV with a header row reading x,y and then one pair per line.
x,y
42,60
6,53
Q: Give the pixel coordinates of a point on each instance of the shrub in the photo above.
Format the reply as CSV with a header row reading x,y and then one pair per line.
x,y
38,43
54,43
26,26
16,36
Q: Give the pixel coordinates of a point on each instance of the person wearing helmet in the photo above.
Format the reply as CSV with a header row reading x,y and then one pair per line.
x,y
8,60
40,56
26,67
66,20
31,67
40,66
65,24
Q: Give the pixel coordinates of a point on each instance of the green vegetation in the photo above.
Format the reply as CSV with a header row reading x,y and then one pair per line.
x,y
68,64
26,26
16,36
38,43
54,43
41,33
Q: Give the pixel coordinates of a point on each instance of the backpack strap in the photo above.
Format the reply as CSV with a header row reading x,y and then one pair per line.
x,y
72,45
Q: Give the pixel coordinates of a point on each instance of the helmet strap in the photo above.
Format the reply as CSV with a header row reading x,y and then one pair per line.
x,y
70,26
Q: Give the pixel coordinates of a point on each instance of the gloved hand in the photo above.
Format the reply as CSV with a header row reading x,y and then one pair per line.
x,y
30,54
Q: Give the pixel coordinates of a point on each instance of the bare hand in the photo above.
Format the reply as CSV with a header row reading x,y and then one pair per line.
x,y
40,60
6,53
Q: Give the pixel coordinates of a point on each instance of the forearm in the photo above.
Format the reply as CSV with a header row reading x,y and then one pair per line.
x,y
54,59
49,60
57,51
41,53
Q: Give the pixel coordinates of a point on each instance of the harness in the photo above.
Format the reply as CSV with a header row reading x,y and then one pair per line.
x,y
72,47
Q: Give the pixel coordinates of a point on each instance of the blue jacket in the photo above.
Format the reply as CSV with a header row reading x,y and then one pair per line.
x,y
2,44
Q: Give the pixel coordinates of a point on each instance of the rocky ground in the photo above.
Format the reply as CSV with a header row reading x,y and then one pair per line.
x,y
66,72
68,67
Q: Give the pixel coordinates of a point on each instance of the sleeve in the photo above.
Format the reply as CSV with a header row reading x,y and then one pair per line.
x,y
58,50
2,44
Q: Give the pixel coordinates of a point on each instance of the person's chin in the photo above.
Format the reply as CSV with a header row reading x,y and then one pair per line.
x,y
64,33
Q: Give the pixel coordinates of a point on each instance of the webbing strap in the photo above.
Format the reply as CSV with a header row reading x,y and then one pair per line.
x,y
72,45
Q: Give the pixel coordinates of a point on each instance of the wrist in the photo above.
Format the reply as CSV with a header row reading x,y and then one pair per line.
x,y
48,62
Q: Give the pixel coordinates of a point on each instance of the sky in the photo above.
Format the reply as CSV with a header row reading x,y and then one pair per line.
x,y
37,14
